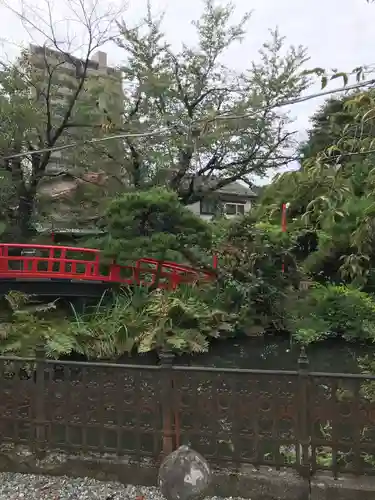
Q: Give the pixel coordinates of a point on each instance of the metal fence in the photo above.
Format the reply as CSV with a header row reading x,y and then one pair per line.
x,y
305,420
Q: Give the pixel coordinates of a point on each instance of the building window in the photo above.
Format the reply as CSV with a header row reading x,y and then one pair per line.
x,y
235,208
208,207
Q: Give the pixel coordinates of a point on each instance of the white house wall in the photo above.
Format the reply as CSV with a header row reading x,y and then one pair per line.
x,y
195,208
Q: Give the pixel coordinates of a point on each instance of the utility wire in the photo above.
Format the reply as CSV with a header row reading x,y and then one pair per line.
x,y
169,129
349,153
88,141
297,100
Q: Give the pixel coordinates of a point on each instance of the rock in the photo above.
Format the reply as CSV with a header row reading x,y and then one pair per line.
x,y
184,475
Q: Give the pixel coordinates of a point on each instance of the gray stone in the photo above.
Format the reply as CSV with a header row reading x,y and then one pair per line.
x,y
184,475
325,487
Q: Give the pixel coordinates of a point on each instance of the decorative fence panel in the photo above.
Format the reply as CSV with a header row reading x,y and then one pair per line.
x,y
305,420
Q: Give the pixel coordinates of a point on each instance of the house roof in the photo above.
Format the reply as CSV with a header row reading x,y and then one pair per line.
x,y
239,189
233,188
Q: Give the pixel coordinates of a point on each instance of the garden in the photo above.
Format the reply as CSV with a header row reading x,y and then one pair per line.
x,y
303,284
190,126
271,361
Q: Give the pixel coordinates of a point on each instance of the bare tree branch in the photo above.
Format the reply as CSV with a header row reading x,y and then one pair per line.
x,y
97,25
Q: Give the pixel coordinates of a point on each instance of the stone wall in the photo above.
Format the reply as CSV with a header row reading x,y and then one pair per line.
x,y
256,484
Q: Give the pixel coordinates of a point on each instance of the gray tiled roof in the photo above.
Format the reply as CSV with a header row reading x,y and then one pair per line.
x,y
237,188
233,188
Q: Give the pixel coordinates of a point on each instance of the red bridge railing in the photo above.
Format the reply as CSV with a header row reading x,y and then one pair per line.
x,y
71,263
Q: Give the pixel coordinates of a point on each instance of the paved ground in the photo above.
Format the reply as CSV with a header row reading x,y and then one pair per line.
x,y
29,487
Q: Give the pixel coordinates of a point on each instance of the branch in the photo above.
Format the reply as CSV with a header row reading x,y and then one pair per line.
x,y
190,196
91,22
47,97
136,163
243,164
135,109
70,175
180,87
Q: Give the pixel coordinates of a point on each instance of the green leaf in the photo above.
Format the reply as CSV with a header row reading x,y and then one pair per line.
x,y
314,71
342,75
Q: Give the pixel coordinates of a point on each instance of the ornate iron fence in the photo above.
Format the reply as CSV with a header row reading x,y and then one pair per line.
x,y
305,420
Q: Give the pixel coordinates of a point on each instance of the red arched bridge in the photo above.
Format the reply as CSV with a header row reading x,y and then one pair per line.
x,y
41,263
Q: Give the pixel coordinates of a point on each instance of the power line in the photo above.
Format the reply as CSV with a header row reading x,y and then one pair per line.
x,y
353,153
169,129
88,141
297,100
337,156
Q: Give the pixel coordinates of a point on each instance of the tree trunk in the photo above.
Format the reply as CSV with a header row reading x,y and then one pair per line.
x,y
24,214
20,227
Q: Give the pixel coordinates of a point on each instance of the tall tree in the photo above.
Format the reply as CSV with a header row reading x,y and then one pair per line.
x,y
36,117
337,126
332,203
154,221
215,123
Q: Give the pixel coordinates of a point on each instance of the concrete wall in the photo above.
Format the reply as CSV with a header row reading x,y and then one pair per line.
x,y
246,481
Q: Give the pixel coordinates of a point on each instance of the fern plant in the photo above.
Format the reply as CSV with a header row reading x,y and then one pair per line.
x,y
111,330
137,321
33,323
182,322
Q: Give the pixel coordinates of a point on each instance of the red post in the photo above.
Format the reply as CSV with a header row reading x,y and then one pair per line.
x,y
174,282
283,226
114,272
283,217
214,262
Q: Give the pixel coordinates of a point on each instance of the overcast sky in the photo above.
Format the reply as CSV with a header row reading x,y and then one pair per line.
x,y
337,33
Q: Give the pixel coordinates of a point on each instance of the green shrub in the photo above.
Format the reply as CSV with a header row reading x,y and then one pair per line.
x,y
333,311
184,320
153,224
252,256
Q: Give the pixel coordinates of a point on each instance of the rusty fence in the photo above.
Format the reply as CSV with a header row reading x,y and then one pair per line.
x,y
301,419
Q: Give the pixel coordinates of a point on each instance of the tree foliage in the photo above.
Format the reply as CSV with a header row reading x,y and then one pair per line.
x,y
333,311
195,126
331,197
327,125
194,99
44,106
252,256
152,223
189,96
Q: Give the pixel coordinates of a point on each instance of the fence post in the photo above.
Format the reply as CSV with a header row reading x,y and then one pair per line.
x,y
303,415
39,407
167,397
